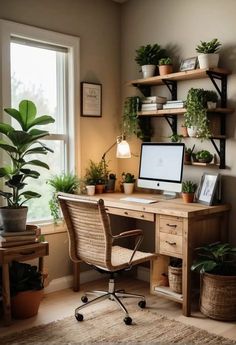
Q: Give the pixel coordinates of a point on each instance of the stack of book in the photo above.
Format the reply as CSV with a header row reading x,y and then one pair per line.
x,y
174,104
153,103
20,238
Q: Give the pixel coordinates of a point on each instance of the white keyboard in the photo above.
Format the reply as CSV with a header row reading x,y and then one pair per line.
x,y
140,200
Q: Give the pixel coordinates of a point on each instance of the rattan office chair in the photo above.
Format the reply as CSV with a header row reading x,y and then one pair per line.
x,y
91,241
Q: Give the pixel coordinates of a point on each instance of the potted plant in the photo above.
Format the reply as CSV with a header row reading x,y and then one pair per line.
x,y
217,266
26,286
176,138
67,183
208,51
147,57
195,117
96,175
165,66
175,275
128,181
188,191
204,156
110,184
20,144
131,123
211,99
188,153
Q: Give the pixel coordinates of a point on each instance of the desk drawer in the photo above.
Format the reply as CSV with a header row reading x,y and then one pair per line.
x,y
171,225
170,244
24,253
130,213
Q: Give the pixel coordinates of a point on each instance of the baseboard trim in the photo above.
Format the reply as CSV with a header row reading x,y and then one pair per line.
x,y
143,273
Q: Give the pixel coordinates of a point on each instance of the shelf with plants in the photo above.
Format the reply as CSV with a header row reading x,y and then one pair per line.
x,y
218,77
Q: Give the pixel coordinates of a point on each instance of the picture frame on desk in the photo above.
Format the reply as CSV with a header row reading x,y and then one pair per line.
x,y
188,64
91,99
209,189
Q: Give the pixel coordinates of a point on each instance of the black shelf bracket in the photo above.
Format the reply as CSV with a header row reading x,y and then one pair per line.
x,y
144,89
172,86
222,90
220,151
172,121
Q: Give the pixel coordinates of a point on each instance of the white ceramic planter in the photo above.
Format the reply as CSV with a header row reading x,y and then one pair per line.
x,y
211,105
90,190
208,60
128,188
148,71
192,131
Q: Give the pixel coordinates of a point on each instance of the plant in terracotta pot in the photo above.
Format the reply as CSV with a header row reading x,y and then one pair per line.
x,y
19,145
195,117
148,57
208,51
128,181
165,66
96,174
188,191
217,266
188,153
26,286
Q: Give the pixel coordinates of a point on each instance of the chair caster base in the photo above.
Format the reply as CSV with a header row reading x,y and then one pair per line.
x,y
142,304
127,320
84,299
79,317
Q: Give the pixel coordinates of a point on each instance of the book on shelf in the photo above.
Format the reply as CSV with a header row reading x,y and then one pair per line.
x,y
154,99
175,101
153,106
173,105
36,231
17,243
17,238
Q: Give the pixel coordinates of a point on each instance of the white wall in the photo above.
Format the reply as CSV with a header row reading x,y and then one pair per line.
x,y
179,26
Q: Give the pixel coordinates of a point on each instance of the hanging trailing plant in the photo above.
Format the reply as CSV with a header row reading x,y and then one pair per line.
x,y
132,123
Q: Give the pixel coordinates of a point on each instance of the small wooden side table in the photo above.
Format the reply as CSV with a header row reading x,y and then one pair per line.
x,y
19,253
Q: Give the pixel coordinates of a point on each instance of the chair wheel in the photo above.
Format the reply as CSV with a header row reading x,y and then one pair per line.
x,y
84,299
128,320
79,317
142,304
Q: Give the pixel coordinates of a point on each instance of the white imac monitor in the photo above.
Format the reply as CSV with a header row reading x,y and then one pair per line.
x,y
161,167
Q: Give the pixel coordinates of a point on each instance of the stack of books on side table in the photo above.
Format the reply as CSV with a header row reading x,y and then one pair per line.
x,y
153,103
179,103
20,238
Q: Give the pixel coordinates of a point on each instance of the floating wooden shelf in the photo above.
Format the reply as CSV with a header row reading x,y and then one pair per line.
x,y
208,165
181,111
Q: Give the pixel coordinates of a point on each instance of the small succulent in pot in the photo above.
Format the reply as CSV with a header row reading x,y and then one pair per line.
x,y
188,190
210,47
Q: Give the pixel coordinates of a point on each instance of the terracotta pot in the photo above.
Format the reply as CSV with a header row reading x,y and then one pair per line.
x,y
184,131
26,303
165,69
188,197
99,188
187,158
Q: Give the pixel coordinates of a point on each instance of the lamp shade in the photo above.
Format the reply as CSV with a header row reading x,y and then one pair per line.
x,y
123,150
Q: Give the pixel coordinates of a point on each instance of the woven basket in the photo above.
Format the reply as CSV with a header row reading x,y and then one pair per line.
x,y
218,297
175,278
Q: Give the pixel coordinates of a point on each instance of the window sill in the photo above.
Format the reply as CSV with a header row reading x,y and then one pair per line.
x,y
52,229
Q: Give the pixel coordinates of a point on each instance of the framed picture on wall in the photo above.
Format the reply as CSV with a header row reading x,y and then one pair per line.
x,y
209,190
188,64
91,99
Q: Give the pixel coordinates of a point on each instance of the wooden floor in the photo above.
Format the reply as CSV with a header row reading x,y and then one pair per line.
x,y
61,304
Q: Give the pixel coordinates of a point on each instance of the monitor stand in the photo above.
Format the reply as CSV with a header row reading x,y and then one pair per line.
x,y
170,195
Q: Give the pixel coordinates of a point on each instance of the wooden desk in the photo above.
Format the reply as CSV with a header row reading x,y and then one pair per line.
x,y
179,228
19,253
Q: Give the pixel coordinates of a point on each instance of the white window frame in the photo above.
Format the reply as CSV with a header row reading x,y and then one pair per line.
x,y
9,29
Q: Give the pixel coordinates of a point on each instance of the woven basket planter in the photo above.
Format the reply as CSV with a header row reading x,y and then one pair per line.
x,y
218,297
175,278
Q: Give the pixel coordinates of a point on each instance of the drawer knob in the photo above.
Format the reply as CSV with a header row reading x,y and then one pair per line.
x,y
142,215
171,243
126,213
172,225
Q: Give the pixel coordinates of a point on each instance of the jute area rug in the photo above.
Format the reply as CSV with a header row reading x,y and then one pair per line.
x,y
108,328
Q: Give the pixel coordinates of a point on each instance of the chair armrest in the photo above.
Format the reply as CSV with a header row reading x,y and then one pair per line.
x,y
137,233
130,233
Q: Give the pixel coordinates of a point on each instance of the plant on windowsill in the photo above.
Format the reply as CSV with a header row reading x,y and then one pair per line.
x,y
20,144
128,180
147,57
195,118
217,266
188,191
208,51
66,183
26,286
165,66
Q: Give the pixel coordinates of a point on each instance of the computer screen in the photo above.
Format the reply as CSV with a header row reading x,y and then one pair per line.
x,y
161,166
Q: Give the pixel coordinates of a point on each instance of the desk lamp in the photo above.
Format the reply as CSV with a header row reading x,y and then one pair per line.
x,y
123,149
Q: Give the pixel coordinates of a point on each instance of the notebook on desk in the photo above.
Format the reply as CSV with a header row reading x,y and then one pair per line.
x,y
139,200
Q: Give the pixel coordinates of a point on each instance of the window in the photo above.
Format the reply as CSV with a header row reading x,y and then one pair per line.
x,y
42,68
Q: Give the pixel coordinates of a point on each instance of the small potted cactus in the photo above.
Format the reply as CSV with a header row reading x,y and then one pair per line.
x,y
128,181
188,191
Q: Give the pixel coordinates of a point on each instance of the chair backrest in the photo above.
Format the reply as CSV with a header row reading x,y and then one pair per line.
x,y
89,229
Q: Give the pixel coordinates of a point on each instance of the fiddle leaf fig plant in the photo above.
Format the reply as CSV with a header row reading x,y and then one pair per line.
x,y
20,144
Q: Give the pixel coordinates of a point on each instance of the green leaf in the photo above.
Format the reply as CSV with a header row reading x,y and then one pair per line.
x,y
30,173
29,195
40,150
16,115
37,133
28,113
5,128
19,138
5,171
8,148
37,163
42,120
5,194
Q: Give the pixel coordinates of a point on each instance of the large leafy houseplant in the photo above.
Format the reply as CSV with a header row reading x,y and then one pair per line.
x,y
149,54
20,144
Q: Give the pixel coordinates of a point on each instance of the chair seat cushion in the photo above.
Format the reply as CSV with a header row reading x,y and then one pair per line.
x,y
120,257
